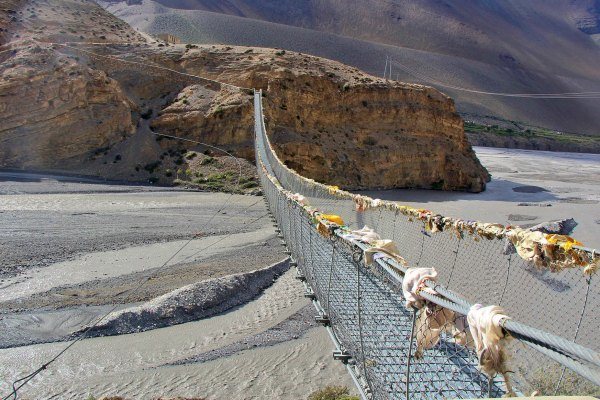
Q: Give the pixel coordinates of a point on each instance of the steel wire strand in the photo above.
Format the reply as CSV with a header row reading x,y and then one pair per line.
x,y
555,343
587,293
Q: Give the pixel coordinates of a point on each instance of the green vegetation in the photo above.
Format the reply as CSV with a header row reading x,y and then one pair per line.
x,y
533,133
439,185
224,176
332,393
249,185
207,160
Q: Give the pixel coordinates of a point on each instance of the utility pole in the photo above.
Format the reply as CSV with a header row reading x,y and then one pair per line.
x,y
385,69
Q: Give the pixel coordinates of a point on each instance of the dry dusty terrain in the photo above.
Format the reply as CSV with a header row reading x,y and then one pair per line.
x,y
496,46
268,347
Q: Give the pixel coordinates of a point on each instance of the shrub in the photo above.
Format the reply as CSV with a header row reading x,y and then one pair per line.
x,y
151,167
214,185
439,185
249,185
219,177
332,393
207,160
146,114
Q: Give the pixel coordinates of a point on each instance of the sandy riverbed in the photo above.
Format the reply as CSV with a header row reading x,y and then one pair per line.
x,y
527,188
136,365
72,249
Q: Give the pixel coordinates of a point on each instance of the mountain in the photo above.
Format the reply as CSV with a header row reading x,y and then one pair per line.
x,y
83,92
508,46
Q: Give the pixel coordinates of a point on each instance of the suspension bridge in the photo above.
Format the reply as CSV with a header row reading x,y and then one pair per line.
x,y
546,289
551,308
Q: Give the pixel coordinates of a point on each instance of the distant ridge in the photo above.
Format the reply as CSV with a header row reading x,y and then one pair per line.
x,y
510,46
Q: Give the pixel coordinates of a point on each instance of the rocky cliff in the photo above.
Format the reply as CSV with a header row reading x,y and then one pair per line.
x,y
331,122
96,109
54,110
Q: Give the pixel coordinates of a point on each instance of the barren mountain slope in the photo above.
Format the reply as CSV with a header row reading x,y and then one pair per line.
x,y
94,108
515,47
489,31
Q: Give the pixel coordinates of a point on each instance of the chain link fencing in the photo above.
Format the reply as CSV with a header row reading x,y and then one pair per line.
x,y
394,352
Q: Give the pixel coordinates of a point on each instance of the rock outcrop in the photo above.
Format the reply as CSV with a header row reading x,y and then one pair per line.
x,y
95,109
334,123
55,112
371,135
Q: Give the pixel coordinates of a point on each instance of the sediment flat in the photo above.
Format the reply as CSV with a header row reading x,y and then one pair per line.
x,y
528,187
78,247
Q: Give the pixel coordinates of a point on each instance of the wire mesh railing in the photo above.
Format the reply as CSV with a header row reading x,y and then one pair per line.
x,y
399,352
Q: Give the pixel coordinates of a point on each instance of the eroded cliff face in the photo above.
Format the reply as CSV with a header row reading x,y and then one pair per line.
x,y
371,135
55,111
96,109
223,118
336,124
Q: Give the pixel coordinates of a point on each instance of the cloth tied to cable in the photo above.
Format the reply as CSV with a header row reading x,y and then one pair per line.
x,y
552,251
366,234
324,220
414,282
300,199
383,248
332,189
486,329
